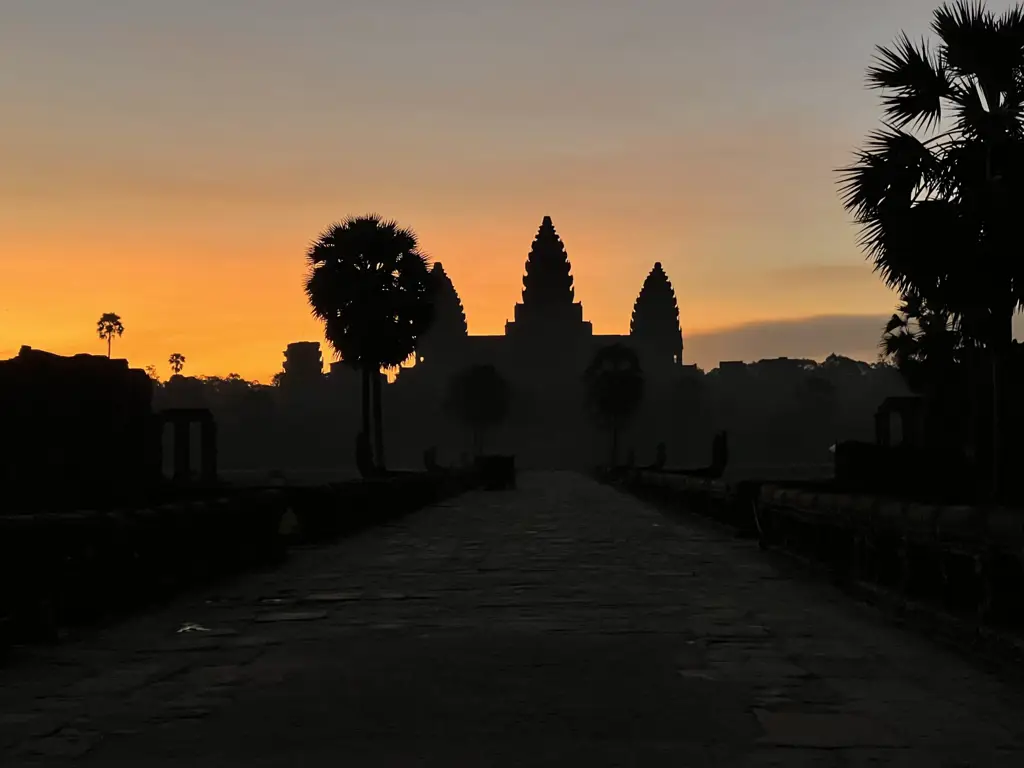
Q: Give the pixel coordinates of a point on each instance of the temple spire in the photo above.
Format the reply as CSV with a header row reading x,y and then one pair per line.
x,y
449,315
655,321
448,329
548,279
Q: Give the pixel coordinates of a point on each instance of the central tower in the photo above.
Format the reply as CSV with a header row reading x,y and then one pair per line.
x,y
548,310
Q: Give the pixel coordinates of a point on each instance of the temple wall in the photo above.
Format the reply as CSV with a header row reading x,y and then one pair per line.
x,y
548,424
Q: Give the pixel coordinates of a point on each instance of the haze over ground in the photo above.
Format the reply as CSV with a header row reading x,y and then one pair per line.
x,y
171,161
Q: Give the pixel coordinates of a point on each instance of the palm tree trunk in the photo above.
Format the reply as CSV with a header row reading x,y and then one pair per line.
x,y
109,340
1002,339
378,420
366,402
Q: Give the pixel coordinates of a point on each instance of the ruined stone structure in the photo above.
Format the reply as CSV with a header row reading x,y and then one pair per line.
x,y
81,432
182,422
303,362
75,427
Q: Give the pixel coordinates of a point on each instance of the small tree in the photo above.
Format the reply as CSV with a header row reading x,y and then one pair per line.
x,y
615,387
177,362
108,326
479,397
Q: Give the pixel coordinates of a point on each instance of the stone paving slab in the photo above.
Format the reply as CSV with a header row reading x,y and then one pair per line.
x,y
561,623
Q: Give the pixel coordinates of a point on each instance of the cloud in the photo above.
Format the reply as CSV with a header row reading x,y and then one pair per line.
x,y
816,337
815,275
811,337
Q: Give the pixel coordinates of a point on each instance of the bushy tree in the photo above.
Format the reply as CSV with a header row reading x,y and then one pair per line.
x,y
479,397
614,384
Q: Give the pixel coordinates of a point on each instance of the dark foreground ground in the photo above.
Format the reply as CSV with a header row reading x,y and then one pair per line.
x,y
560,624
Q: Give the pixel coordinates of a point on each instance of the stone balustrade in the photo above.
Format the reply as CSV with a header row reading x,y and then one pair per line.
x,y
61,569
960,560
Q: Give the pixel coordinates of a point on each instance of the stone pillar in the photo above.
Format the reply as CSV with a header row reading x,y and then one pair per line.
x,y
182,448
209,447
157,425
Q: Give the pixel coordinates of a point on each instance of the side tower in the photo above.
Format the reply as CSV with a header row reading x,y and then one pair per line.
x,y
445,341
654,327
548,309
303,362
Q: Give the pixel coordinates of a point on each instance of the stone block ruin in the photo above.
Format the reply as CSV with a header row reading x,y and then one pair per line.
x,y
80,432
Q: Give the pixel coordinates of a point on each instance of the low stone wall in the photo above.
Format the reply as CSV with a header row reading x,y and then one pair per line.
x,y
59,570
960,560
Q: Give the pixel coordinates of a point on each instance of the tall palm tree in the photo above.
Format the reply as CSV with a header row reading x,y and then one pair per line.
x,y
108,326
614,384
177,362
370,285
939,189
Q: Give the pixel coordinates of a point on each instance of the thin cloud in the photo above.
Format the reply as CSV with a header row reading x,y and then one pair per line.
x,y
822,274
808,337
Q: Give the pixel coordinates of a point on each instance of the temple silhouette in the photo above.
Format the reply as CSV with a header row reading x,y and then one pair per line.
x,y
542,354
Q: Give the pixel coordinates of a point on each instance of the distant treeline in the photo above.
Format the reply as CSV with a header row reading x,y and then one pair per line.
x,y
777,411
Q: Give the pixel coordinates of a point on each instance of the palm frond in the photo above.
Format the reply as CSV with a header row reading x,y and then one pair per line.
x,y
370,285
894,168
895,322
964,29
914,81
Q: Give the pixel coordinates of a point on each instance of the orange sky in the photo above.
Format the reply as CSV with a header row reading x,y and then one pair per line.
x,y
171,162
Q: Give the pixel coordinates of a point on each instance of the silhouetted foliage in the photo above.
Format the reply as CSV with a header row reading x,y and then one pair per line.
x,y
939,190
923,343
655,320
479,396
615,388
370,285
108,326
548,281
177,362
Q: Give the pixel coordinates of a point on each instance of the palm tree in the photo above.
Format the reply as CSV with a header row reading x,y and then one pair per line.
x,y
479,397
370,285
177,362
938,190
108,326
615,386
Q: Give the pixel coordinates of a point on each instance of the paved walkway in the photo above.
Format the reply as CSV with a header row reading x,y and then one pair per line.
x,y
560,624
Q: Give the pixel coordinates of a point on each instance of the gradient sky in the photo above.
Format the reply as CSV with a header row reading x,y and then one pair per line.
x,y
171,161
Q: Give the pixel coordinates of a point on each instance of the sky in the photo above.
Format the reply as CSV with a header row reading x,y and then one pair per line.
x,y
172,161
